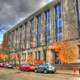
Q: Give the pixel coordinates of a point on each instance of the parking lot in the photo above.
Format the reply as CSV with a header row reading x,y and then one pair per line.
x,y
13,74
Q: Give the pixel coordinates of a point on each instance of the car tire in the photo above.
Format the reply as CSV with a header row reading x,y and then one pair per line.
x,y
21,69
54,72
45,71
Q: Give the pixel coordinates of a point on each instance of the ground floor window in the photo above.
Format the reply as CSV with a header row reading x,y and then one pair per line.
x,y
35,55
39,55
45,57
56,58
23,56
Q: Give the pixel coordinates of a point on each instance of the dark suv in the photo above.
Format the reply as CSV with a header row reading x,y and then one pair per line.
x,y
45,68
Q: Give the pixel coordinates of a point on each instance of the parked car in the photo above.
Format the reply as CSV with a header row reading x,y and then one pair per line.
x,y
7,65
45,68
1,65
27,67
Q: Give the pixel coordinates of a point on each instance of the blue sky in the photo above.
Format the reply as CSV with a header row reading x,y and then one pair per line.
x,y
1,37
13,11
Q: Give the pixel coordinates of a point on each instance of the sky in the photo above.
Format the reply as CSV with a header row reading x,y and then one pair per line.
x,y
14,11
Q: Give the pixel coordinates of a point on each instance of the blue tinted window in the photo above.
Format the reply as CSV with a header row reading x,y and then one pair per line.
x,y
47,21
78,14
58,10
38,29
58,21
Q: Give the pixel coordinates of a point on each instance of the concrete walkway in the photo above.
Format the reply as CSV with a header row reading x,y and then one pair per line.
x,y
68,72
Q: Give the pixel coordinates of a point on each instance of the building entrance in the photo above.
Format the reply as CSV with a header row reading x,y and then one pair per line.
x,y
53,57
56,58
79,51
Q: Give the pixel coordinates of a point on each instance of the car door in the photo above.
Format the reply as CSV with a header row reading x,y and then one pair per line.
x,y
40,69
27,67
45,67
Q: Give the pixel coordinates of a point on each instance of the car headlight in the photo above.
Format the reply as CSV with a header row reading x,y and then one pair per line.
x,y
51,68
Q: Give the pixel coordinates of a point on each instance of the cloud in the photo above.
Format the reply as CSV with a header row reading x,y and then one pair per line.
x,y
12,11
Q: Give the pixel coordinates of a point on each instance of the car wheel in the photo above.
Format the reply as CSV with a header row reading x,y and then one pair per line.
x,y
45,71
54,71
36,71
21,69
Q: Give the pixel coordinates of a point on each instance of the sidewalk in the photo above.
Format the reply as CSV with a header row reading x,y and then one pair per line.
x,y
68,72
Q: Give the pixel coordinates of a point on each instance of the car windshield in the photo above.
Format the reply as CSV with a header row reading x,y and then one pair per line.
x,y
50,64
26,64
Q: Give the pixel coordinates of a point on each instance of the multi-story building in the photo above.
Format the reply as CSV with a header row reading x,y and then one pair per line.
x,y
57,21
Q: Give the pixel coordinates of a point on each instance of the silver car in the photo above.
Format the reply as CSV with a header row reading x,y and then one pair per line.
x,y
46,68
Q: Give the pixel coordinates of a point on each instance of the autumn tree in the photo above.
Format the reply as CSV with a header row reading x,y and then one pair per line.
x,y
66,51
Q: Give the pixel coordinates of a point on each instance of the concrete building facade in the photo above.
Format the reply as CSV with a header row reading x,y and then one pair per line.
x,y
57,21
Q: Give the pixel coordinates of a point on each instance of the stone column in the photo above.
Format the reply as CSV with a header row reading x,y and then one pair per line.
x,y
28,35
34,57
69,20
43,28
35,32
52,25
50,57
26,56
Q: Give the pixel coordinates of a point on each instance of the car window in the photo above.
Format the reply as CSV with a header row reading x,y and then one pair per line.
x,y
40,65
43,65
46,64
51,64
24,64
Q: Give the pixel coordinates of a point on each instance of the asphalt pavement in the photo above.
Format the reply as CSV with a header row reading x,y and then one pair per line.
x,y
13,74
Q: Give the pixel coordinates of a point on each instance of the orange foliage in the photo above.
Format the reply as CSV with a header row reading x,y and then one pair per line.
x,y
68,55
15,56
3,56
37,61
30,58
66,51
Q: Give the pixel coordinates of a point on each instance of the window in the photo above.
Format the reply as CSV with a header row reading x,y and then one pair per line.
x,y
58,22
47,22
35,55
24,56
31,32
78,14
38,30
39,55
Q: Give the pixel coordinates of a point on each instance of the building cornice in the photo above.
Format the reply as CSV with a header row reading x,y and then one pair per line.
x,y
36,13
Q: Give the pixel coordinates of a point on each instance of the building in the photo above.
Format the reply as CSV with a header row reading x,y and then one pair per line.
x,y
57,21
0,46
